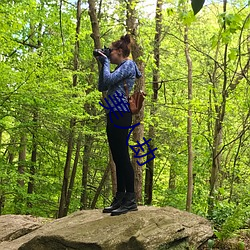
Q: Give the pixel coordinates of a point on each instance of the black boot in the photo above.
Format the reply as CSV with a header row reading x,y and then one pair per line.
x,y
128,204
116,203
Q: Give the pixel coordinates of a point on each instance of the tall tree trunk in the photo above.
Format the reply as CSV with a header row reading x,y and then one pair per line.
x,y
19,199
33,156
189,124
94,24
73,174
217,141
32,167
11,153
98,191
85,170
1,136
150,164
75,77
22,159
66,176
77,43
2,198
97,44
137,52
172,170
220,111
35,111
64,191
9,160
172,178
1,179
113,173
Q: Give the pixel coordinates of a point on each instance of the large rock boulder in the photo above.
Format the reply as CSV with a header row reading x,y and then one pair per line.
x,y
15,226
147,229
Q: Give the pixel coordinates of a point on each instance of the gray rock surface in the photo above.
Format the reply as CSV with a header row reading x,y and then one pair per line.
x,y
15,226
147,229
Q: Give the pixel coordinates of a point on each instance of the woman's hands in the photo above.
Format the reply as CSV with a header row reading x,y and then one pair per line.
x,y
102,58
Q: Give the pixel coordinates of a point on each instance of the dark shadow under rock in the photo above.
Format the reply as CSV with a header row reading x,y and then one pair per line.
x,y
56,243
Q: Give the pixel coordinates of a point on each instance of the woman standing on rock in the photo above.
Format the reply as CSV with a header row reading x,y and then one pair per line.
x,y
125,72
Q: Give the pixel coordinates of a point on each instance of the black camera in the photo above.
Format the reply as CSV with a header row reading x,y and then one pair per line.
x,y
106,51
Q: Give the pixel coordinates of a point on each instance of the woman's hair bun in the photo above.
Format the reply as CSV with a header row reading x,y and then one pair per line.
x,y
123,43
126,39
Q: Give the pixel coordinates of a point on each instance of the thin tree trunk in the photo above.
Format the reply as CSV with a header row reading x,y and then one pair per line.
x,y
32,167
234,170
245,122
33,157
88,139
137,53
97,44
19,199
94,24
22,159
217,142
77,43
34,145
85,170
172,170
35,112
213,79
218,127
73,174
78,144
1,136
2,194
2,197
150,164
66,176
172,178
99,189
189,124
113,173
11,155
2,201
64,191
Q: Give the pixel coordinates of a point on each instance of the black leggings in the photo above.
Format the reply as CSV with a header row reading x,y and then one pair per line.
x,y
117,142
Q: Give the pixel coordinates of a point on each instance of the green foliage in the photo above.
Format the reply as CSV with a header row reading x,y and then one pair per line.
x,y
234,221
221,212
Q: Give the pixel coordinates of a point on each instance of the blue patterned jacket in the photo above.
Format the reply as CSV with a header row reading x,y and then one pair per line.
x,y
113,82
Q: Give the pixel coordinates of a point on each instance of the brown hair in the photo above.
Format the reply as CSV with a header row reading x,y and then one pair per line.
x,y
124,44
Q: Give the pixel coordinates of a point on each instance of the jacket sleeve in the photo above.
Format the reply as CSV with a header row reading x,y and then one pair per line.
x,y
123,72
101,86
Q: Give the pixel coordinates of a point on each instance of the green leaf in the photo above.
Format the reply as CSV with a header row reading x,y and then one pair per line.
x,y
214,40
210,244
188,17
226,36
170,11
241,245
197,5
233,54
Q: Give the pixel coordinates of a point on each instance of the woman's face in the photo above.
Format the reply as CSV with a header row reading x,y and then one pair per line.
x,y
116,56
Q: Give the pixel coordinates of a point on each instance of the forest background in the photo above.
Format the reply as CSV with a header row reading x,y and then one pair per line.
x,y
54,155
